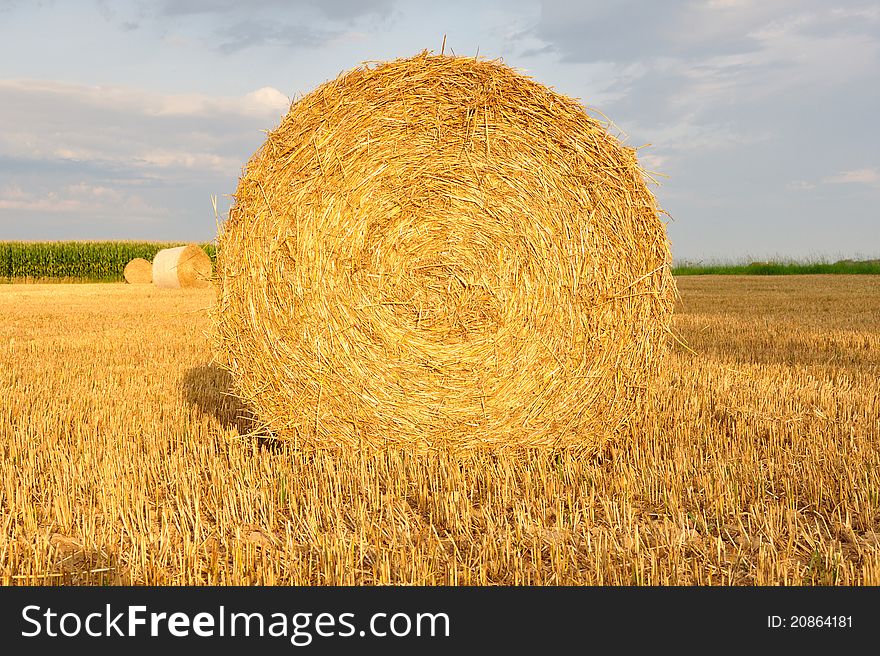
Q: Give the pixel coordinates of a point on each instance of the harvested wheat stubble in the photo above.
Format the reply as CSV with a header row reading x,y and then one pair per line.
x,y
183,266
138,272
439,251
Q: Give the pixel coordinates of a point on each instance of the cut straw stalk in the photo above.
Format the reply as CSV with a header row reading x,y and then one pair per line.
x,y
439,251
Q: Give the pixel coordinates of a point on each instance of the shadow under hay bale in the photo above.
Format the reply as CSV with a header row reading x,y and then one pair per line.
x,y
208,389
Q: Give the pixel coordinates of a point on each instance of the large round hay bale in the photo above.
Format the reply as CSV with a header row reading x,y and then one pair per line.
x,y
183,266
138,272
439,251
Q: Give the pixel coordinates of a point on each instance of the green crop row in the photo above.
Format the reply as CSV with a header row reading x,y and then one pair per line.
x,y
104,261
778,268
75,261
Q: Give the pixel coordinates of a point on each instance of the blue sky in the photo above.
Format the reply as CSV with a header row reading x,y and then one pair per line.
x,y
120,120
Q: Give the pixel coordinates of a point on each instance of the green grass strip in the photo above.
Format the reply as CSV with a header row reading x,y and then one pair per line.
x,y
784,268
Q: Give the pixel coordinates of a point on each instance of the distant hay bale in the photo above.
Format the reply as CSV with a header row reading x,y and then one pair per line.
x,y
183,266
441,252
138,272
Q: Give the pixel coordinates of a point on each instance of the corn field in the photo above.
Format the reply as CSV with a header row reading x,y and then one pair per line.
x,y
75,261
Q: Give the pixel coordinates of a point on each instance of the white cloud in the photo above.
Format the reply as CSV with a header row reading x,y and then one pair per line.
x,y
793,52
652,162
266,102
855,176
79,198
727,4
688,133
133,129
865,13
800,185
120,156
866,176
703,59
188,160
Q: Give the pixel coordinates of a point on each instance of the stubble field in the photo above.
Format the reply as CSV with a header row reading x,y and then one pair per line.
x,y
123,460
